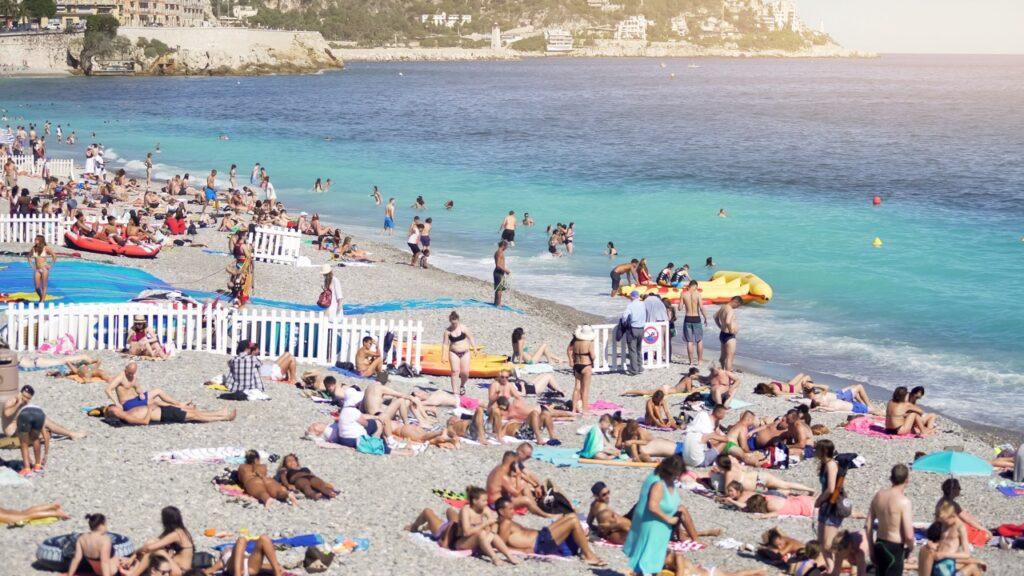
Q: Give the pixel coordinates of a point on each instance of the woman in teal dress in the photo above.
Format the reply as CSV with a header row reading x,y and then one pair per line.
x,y
654,518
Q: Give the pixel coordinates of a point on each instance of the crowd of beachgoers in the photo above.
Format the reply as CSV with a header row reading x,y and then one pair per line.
x,y
714,471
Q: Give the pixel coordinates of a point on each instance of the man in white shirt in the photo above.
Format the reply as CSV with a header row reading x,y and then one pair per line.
x,y
271,193
703,440
635,316
353,424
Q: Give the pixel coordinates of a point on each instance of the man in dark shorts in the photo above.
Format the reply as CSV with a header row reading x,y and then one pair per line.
x,y
31,431
563,537
508,228
501,271
629,269
153,414
894,539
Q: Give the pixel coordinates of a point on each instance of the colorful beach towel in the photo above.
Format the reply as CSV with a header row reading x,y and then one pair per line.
x,y
682,546
605,407
873,426
1010,491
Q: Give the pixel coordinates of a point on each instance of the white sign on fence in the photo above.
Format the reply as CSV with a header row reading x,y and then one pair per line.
x,y
23,228
276,244
309,336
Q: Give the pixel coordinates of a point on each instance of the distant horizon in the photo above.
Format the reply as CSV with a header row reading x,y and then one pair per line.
x,y
976,27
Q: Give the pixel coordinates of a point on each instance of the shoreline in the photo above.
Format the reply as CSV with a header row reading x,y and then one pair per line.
x,y
766,369
125,454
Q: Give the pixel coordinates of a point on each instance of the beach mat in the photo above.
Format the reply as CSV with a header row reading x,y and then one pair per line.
x,y
569,458
9,478
873,426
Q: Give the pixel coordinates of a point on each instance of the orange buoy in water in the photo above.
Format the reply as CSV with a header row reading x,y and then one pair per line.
x,y
877,200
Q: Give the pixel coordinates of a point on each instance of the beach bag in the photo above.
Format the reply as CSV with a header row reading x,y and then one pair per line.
x,y
203,560
317,560
554,502
371,445
325,298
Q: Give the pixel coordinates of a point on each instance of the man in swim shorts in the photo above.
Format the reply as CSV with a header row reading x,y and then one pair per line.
x,y
629,269
389,217
894,539
564,537
146,415
693,327
725,318
508,228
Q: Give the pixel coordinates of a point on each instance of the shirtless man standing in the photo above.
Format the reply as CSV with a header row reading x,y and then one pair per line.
x,y
502,482
629,269
389,217
210,192
564,537
500,271
693,329
508,228
895,538
725,318
368,359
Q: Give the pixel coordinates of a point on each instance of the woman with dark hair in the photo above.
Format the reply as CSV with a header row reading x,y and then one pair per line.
x,y
654,518
828,475
96,548
903,417
254,480
294,476
521,353
174,546
977,534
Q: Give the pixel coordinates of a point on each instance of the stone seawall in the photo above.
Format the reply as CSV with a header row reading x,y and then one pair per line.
x,y
35,54
237,50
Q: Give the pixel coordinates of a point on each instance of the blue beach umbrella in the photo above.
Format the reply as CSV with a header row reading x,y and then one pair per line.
x,y
953,463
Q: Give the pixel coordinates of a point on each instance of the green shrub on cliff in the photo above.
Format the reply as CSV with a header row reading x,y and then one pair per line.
x,y
40,8
531,44
153,48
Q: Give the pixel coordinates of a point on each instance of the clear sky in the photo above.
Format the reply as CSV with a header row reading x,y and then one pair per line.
x,y
921,26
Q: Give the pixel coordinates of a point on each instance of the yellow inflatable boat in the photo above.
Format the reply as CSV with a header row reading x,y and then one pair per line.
x,y
721,288
480,365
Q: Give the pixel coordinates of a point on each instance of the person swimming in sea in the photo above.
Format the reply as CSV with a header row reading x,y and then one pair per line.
x,y
449,205
611,251
709,263
376,196
419,204
722,213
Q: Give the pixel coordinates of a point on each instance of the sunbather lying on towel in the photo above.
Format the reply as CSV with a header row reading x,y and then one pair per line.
x,y
387,403
42,362
564,537
605,522
237,561
294,476
152,414
689,383
750,479
252,475
642,446
823,401
797,386
472,429
441,531
33,513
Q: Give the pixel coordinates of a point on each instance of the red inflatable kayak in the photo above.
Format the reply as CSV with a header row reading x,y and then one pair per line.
x,y
88,244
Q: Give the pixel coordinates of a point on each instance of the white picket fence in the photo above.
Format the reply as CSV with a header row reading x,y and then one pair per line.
x,y
23,228
275,244
612,356
309,336
59,167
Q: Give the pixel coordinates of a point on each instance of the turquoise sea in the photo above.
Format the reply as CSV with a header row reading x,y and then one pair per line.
x,y
644,153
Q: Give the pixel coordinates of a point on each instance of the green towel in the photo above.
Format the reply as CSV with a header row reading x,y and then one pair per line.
x,y
593,444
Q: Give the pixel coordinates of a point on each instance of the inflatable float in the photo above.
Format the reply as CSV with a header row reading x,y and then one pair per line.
x,y
56,553
480,365
720,289
75,240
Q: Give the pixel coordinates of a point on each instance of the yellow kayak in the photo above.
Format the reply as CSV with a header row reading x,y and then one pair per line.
x,y
722,287
480,365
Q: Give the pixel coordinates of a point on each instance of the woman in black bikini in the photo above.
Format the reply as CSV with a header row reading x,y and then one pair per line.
x,y
174,545
293,476
581,356
457,346
95,548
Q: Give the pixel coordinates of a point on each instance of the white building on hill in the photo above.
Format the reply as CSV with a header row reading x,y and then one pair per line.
x,y
632,28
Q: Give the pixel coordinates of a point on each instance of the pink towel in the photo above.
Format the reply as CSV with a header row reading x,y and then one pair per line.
x,y
873,426
605,407
687,546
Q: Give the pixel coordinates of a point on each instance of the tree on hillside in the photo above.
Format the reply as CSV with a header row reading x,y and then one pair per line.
x,y
40,8
12,9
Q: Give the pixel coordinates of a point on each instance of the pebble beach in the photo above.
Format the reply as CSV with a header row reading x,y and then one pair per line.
x,y
112,469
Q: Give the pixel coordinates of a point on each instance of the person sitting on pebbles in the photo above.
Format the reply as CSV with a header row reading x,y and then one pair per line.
x,y
563,537
125,392
142,341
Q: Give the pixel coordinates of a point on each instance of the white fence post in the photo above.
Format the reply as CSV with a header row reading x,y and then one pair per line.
x,y
59,167
276,245
612,355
